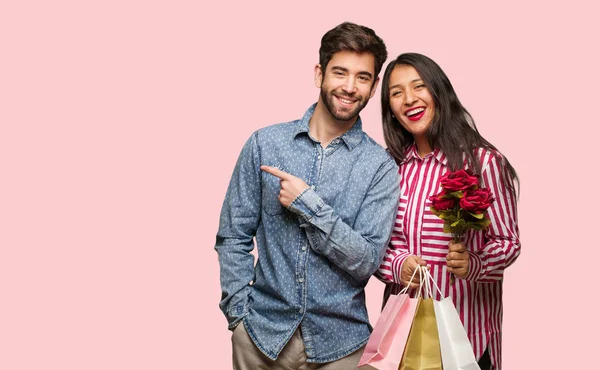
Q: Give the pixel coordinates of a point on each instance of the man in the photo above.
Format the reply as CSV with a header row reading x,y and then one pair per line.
x,y
320,197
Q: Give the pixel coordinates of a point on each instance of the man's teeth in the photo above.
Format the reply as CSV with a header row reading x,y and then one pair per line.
x,y
346,101
414,112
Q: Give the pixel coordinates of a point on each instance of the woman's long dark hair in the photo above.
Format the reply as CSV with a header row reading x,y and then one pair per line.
x,y
452,130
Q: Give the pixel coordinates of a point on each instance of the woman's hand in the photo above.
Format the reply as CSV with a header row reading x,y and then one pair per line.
x,y
408,268
458,260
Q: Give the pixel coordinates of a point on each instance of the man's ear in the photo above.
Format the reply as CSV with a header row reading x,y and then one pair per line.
x,y
318,76
374,87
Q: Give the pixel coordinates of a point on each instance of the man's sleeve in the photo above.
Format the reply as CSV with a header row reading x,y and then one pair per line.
x,y
356,249
240,216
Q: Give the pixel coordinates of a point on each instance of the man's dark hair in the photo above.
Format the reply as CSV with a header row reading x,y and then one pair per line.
x,y
352,37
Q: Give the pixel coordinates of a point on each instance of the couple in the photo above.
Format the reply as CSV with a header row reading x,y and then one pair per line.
x,y
329,207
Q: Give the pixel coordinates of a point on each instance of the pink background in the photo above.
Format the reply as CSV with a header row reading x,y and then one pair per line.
x,y
121,122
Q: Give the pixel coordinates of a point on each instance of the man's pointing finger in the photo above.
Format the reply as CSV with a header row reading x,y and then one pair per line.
x,y
275,172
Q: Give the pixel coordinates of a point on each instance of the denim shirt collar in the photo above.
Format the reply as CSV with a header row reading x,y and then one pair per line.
x,y
351,138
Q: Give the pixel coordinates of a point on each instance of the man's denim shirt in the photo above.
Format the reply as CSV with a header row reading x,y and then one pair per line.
x,y
315,257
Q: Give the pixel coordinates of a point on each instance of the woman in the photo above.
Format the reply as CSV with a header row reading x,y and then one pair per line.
x,y
429,133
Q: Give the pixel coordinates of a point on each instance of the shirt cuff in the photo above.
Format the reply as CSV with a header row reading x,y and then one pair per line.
x,y
307,204
235,315
397,263
475,267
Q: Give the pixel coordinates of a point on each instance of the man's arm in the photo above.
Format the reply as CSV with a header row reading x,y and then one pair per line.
x,y
239,220
358,250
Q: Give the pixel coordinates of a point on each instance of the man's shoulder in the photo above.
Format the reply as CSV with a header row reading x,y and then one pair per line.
x,y
375,151
277,130
280,127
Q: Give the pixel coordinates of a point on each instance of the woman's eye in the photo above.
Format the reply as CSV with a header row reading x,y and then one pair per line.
x,y
396,93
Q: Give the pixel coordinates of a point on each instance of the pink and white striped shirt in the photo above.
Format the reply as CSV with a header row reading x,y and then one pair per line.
x,y
417,231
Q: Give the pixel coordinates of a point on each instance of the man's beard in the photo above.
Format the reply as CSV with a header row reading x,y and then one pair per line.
x,y
342,115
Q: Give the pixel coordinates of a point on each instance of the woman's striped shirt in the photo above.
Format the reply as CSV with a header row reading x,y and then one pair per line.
x,y
417,231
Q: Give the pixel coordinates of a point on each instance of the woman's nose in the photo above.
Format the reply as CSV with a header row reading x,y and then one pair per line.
x,y
410,98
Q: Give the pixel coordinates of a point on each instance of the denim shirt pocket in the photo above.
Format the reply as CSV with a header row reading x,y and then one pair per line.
x,y
270,193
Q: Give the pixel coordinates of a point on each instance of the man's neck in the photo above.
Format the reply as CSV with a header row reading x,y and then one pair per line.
x,y
323,127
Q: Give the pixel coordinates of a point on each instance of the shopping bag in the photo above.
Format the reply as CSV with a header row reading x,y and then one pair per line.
x,y
457,352
422,350
386,343
455,347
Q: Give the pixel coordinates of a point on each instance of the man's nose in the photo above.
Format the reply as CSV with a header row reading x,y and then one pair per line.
x,y
349,86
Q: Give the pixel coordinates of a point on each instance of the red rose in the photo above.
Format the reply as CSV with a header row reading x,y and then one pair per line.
x,y
442,204
459,180
476,200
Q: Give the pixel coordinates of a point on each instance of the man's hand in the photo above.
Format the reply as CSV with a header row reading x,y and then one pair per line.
x,y
408,268
458,260
291,186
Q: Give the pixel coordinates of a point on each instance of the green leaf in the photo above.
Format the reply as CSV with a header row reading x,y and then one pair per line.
x,y
447,216
479,224
456,194
477,215
459,223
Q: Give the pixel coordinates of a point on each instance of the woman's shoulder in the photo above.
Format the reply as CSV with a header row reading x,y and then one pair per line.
x,y
488,156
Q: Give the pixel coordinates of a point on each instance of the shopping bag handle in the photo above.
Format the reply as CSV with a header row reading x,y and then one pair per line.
x,y
410,281
430,280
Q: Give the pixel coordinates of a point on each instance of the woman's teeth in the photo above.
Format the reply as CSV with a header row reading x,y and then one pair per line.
x,y
414,112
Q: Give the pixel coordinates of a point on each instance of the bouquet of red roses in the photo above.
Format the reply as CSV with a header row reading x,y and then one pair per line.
x,y
462,204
